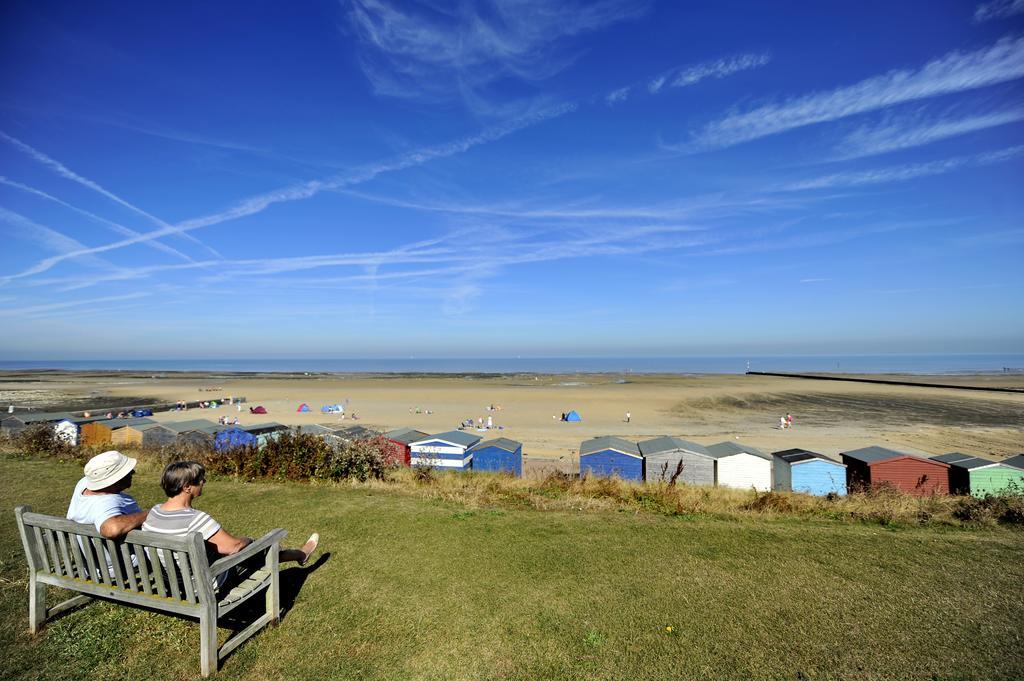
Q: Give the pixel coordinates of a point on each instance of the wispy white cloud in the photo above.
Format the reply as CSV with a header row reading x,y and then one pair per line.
x,y
51,240
906,132
67,304
686,76
65,172
904,172
953,72
620,95
998,9
814,280
257,204
443,50
119,228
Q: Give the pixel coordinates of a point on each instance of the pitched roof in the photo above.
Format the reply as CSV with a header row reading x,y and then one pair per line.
x,y
971,463
405,435
951,457
499,442
137,422
357,433
457,437
727,448
792,456
1015,461
664,443
265,427
617,444
874,454
195,424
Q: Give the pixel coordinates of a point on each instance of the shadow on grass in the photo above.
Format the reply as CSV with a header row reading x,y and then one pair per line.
x,y
292,580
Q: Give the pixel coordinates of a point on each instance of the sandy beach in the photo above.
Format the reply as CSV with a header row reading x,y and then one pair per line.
x,y
829,417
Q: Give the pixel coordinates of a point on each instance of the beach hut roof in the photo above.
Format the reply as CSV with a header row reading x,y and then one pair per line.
x,y
664,443
970,463
195,424
268,427
501,443
41,416
138,422
724,449
874,454
604,442
797,455
316,428
405,435
1015,461
456,437
951,457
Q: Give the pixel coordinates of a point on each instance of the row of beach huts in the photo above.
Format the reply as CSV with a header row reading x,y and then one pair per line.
x,y
726,464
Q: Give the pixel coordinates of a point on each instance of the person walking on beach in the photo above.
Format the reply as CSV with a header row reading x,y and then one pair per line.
x,y
782,423
628,416
789,420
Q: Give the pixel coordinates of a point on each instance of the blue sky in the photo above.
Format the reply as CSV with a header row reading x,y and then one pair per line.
x,y
373,178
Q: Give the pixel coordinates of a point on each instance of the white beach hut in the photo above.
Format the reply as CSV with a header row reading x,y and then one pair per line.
x,y
741,466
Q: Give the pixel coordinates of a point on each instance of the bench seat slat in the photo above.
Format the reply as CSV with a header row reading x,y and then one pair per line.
x,y
90,559
102,567
84,573
145,581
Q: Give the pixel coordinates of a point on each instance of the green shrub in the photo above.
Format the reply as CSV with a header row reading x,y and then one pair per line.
x,y
40,440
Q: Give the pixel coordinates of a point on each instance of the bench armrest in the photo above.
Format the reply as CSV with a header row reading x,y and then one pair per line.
x,y
256,547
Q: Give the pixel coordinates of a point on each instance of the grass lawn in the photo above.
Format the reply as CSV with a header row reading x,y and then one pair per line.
x,y
410,587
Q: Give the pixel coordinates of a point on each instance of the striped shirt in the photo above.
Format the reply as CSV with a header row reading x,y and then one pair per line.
x,y
180,522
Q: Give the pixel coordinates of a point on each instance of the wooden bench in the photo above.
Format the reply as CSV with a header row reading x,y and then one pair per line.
x,y
72,556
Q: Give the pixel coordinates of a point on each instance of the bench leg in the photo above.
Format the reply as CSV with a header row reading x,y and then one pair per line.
x,y
274,590
208,641
36,604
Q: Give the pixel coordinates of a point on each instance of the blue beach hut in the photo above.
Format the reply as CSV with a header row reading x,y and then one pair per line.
x,y
500,455
607,456
800,470
233,437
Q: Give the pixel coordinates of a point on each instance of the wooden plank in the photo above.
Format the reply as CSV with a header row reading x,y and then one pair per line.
x,y
115,560
157,570
155,602
129,567
258,546
184,564
72,602
90,560
84,573
102,566
44,562
63,541
51,541
172,574
21,513
240,638
145,581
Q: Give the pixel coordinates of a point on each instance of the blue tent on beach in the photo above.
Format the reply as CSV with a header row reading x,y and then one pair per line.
x,y
573,416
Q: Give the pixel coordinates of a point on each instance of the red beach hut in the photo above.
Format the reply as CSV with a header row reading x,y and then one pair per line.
x,y
400,438
878,466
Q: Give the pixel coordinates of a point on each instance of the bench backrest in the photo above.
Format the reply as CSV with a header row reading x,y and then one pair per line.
x,y
77,554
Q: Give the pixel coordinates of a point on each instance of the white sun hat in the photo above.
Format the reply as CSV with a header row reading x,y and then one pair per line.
x,y
103,470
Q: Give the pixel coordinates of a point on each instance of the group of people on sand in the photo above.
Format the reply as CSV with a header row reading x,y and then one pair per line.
x,y
228,421
100,500
785,421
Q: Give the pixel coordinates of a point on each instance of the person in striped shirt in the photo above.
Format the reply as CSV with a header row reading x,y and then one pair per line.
x,y
183,482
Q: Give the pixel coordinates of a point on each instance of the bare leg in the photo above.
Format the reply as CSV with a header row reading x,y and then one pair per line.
x,y
300,556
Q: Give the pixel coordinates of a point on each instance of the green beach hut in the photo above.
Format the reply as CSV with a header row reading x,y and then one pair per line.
x,y
980,477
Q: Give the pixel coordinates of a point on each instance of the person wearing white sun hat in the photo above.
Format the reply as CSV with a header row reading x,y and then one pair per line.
x,y
99,498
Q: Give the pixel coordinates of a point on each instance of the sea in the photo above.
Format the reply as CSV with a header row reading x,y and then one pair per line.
x,y
930,364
